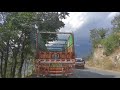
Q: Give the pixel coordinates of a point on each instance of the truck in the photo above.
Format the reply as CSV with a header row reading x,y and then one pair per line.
x,y
58,59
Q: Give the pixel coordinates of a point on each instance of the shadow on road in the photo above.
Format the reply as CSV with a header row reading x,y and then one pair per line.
x,y
34,76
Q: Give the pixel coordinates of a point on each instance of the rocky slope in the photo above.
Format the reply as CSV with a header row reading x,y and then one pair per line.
x,y
111,62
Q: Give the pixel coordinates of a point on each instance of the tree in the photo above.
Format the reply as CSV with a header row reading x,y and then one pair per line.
x,y
97,35
113,40
102,33
50,21
116,23
94,37
15,37
110,43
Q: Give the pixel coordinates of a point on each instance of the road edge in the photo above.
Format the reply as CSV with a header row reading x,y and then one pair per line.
x,y
117,72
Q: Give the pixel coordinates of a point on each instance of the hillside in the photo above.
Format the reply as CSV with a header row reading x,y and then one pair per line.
x,y
99,60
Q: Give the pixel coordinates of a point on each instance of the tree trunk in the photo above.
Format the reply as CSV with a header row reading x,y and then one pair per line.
x,y
14,67
11,70
6,59
21,65
15,53
25,69
1,69
22,60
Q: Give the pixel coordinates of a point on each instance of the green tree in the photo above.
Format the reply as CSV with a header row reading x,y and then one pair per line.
x,y
110,43
50,21
116,23
15,37
102,33
97,35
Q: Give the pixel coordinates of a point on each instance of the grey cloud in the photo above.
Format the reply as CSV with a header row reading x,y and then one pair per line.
x,y
94,20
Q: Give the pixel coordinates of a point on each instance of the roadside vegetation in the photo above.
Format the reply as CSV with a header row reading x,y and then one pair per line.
x,y
18,39
109,41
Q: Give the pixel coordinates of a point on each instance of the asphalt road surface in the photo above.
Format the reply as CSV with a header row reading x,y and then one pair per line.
x,y
94,73
90,73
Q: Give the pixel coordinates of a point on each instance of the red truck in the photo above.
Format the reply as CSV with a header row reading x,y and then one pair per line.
x,y
56,61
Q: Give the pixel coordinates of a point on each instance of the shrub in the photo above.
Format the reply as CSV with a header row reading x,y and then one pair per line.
x,y
110,43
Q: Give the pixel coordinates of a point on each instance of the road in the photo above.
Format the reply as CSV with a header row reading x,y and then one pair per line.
x,y
92,73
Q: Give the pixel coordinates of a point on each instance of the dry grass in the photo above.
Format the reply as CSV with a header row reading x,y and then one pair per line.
x,y
105,64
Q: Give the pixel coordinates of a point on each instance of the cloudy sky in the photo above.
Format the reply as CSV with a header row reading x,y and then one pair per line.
x,y
81,22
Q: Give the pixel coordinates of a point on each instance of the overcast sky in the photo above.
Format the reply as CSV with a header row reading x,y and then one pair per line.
x,y
81,23
76,20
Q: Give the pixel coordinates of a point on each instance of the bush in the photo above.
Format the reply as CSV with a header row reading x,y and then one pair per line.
x,y
110,43
96,35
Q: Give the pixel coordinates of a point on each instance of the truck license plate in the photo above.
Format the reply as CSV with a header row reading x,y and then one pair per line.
x,y
55,65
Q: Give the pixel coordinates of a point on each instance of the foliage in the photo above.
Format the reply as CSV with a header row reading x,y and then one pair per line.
x,y
97,35
111,43
116,23
15,37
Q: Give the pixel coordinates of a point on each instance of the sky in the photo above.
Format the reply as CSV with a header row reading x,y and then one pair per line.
x,y
80,23
77,20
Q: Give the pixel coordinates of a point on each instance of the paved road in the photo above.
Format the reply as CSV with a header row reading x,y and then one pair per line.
x,y
94,73
91,73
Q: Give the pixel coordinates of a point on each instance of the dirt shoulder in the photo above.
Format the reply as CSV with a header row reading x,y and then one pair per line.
x,y
112,71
